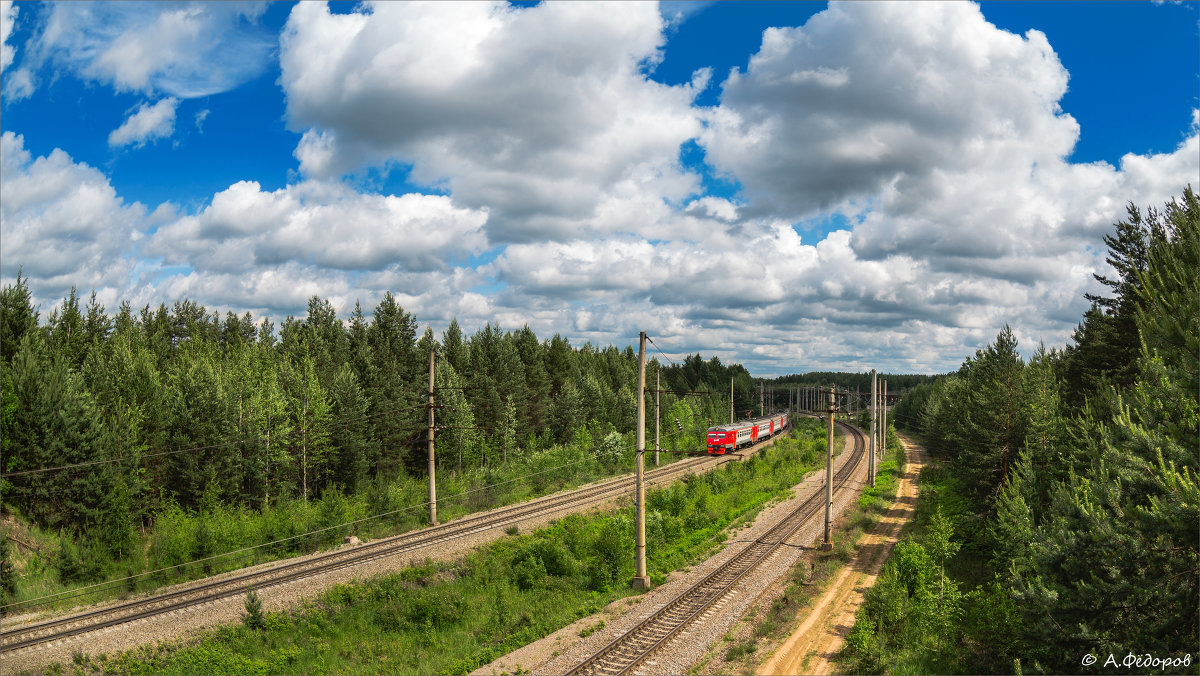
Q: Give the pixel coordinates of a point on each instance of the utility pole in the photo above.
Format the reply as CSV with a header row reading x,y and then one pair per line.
x,y
657,417
760,398
730,400
432,470
828,544
641,580
871,464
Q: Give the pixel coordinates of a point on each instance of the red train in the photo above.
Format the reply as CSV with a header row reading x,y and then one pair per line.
x,y
724,439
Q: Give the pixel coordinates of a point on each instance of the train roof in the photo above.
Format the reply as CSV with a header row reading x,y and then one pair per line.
x,y
745,423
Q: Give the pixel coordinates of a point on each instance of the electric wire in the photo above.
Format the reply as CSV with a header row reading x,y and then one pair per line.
x,y
102,586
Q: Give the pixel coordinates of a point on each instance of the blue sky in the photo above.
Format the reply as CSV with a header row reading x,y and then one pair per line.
x,y
794,186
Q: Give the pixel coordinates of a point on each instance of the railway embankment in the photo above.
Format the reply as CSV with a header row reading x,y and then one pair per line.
x,y
285,599
568,647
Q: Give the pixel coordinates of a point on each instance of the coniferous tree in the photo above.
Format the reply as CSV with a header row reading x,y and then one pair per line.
x,y
993,427
66,333
395,389
456,351
310,418
352,446
17,317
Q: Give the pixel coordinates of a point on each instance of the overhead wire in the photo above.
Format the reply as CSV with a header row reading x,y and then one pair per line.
x,y
102,586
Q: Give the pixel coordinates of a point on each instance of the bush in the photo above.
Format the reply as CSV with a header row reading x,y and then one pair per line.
x,y
529,573
253,616
553,557
609,450
77,563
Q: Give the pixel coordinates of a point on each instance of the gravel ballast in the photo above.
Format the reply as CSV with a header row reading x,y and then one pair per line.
x,y
186,623
565,648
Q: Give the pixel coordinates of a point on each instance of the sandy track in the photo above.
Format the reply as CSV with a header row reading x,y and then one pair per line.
x,y
812,646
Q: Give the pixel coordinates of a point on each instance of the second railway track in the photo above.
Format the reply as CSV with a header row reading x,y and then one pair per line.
x,y
49,631
624,654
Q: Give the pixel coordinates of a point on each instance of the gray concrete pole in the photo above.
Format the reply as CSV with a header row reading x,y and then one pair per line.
x,y
730,400
432,470
871,409
828,543
641,580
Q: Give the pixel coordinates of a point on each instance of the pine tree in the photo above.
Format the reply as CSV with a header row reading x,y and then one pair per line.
x,y
1044,437
993,428
1116,561
457,353
352,438
310,418
17,317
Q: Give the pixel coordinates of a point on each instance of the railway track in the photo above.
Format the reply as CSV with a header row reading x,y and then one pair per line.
x,y
160,604
635,646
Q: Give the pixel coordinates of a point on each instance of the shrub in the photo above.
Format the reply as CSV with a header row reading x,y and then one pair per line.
x,y
253,617
529,573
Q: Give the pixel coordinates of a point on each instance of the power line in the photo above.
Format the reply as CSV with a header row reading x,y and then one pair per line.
x,y
100,586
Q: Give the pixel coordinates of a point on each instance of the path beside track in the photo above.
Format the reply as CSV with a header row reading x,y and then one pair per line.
x,y
812,646
566,648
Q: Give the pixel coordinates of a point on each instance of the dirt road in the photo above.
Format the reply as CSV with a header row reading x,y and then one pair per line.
x,y
811,648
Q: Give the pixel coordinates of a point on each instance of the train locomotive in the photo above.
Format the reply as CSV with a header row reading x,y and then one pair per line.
x,y
724,439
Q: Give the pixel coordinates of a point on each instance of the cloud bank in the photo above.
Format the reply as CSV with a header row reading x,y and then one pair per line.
x,y
935,141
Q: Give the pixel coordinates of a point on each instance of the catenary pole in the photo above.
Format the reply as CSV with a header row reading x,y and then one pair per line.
x,y
871,410
884,434
641,580
828,543
730,400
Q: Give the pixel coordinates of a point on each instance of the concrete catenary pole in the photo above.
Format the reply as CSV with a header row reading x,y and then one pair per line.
x,y
871,411
641,580
432,470
828,543
884,418
760,398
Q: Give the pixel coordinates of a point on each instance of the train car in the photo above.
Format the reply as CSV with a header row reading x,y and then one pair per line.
x,y
723,439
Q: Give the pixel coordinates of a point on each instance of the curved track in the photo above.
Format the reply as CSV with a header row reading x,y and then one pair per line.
x,y
159,604
625,653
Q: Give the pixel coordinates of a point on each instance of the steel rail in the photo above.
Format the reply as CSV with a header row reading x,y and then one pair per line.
x,y
623,654
80,623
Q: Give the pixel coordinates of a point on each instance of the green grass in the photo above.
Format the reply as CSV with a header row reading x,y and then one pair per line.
x,y
175,538
452,617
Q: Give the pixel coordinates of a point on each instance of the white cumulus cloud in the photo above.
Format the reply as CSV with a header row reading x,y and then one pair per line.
x,y
541,114
148,123
185,50
323,224
63,224
8,16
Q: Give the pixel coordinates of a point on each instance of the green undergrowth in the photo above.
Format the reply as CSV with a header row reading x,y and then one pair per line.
x,y
932,603
810,576
181,536
452,617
